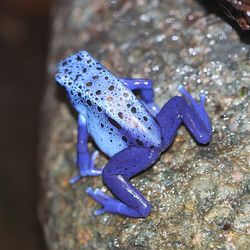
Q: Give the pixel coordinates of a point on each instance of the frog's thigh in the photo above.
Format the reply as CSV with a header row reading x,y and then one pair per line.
x,y
121,168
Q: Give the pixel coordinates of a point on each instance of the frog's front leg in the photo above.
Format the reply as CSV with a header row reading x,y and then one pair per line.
x,y
187,111
85,161
145,86
116,175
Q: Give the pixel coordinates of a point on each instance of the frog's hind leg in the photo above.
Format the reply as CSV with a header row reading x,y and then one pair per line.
x,y
145,86
187,111
116,175
85,161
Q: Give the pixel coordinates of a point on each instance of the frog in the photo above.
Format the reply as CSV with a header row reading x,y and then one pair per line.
x,y
125,123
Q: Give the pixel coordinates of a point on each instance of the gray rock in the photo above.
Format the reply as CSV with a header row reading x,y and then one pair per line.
x,y
200,195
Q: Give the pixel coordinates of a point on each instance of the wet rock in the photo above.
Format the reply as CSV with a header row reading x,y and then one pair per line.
x,y
200,195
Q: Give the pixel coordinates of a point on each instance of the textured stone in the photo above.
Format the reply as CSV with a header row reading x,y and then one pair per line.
x,y
200,195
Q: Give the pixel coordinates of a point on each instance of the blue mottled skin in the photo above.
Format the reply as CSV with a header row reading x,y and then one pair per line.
x,y
132,132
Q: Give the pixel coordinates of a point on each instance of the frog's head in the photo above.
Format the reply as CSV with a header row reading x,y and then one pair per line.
x,y
71,69
75,74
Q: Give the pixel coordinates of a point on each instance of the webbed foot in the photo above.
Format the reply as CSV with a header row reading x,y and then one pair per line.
x,y
110,205
89,171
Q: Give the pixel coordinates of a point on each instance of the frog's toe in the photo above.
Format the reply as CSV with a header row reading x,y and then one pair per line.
x,y
93,158
109,204
197,106
100,211
187,96
91,192
75,179
91,172
98,195
84,173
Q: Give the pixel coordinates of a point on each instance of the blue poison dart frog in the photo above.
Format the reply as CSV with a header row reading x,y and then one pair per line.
x,y
132,132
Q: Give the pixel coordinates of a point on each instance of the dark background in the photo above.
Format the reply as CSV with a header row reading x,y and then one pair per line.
x,y
24,34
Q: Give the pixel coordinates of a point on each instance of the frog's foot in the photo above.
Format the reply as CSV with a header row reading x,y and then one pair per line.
x,y
151,107
110,205
87,171
198,107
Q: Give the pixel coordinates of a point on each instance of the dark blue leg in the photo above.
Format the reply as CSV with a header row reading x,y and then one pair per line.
x,y
184,110
146,91
199,107
116,175
85,161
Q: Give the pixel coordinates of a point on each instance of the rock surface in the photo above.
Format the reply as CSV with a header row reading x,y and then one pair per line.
x,y
200,195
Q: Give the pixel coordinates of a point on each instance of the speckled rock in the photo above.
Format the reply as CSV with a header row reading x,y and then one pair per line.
x,y
200,195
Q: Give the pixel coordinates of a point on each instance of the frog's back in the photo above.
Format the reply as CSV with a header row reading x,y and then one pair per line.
x,y
116,119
